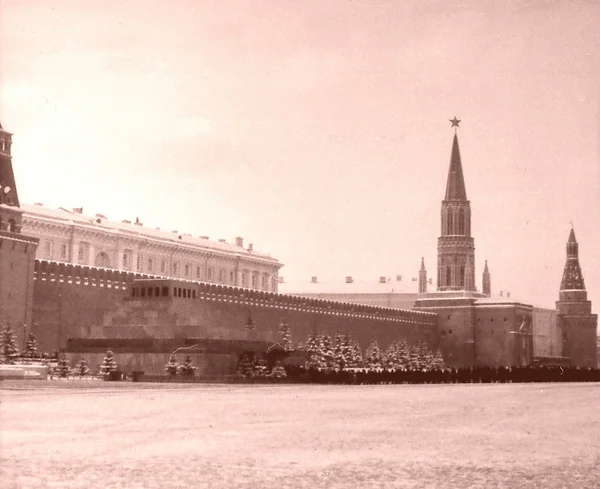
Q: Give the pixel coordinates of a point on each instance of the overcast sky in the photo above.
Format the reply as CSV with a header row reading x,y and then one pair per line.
x,y
318,130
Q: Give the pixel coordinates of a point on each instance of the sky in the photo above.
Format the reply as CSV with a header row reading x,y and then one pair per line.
x,y
318,130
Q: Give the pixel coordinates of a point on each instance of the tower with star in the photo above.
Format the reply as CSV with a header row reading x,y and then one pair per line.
x,y
456,247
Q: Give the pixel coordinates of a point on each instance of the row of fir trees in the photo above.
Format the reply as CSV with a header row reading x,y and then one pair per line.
x,y
342,353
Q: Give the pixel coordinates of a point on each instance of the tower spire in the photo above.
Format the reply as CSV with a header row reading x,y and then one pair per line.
x,y
572,277
422,277
455,186
487,282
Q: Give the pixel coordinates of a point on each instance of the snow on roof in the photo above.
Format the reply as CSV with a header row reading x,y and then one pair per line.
x,y
64,216
355,287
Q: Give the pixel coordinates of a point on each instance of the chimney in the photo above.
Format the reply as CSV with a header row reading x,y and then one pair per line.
x,y
239,242
508,294
222,240
78,210
203,237
398,278
349,280
125,221
313,280
250,247
137,222
382,280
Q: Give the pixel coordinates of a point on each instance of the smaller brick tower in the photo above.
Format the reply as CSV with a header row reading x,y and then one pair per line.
x,y
422,278
487,281
576,320
17,252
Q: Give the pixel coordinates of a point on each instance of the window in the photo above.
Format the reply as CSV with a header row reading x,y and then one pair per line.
x,y
82,252
449,221
150,264
221,276
244,278
138,264
176,269
462,276
125,260
163,266
187,270
461,222
165,291
254,279
264,281
448,276
232,278
48,249
211,274
198,273
64,251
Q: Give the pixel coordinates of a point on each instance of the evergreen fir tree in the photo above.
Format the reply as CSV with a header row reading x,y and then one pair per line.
x,y
356,357
63,370
278,372
260,368
286,334
172,366
402,355
82,368
347,349
339,357
414,362
188,369
108,364
390,360
10,353
326,352
312,347
425,356
31,347
373,356
245,365
438,360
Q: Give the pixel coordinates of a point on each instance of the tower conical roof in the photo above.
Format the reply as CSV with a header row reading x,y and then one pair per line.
x,y
572,277
455,188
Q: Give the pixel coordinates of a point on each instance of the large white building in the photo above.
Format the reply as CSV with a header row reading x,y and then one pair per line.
x,y
70,236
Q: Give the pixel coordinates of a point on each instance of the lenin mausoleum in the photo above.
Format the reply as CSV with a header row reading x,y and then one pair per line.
x,y
83,284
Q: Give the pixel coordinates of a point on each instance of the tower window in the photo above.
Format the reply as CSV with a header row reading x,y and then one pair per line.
x,y
462,276
461,222
450,221
448,276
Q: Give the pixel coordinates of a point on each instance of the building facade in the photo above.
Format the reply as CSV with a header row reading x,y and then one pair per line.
x,y
69,236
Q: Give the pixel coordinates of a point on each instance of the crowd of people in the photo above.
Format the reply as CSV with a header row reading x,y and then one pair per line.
x,y
467,375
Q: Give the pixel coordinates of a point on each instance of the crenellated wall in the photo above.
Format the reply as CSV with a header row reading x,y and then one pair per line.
x,y
77,301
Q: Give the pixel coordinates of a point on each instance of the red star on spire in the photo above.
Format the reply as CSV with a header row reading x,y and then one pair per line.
x,y
455,122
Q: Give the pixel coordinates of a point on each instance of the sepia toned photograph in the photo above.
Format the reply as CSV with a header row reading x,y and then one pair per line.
x,y
299,244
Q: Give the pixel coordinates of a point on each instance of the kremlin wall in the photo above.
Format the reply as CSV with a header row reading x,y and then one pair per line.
x,y
84,284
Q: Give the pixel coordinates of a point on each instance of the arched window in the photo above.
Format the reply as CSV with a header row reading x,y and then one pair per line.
x,y
462,276
12,225
448,276
461,222
450,222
